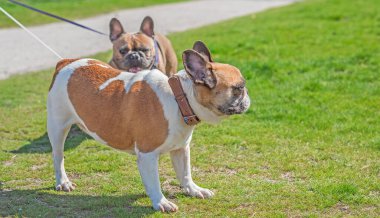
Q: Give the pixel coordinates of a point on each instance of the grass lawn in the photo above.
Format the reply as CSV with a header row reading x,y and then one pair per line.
x,y
308,146
70,9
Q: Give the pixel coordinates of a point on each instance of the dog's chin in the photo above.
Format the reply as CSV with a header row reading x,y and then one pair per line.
x,y
135,69
232,111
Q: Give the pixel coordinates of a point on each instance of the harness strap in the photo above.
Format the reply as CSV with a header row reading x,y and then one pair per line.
x,y
157,49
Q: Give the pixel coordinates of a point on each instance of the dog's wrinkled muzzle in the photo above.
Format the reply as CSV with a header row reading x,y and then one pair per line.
x,y
237,107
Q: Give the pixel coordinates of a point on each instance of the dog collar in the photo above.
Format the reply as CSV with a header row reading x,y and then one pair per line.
x,y
187,113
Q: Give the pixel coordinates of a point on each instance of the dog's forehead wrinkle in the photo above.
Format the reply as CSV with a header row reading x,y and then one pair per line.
x,y
139,39
229,75
124,46
125,37
122,42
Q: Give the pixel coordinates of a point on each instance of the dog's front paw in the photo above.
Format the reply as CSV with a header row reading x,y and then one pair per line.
x,y
65,186
165,205
193,190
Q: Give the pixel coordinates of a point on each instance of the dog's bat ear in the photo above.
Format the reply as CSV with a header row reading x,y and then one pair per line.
x,y
147,26
201,48
116,29
199,68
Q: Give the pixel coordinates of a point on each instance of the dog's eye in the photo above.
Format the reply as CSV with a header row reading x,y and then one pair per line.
x,y
237,90
144,49
123,51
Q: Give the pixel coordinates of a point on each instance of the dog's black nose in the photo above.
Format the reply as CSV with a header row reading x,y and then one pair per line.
x,y
133,57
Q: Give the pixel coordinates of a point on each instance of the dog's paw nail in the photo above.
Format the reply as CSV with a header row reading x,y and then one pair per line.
x,y
196,191
66,186
208,193
165,206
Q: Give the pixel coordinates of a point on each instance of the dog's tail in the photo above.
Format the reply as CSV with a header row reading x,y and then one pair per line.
x,y
61,64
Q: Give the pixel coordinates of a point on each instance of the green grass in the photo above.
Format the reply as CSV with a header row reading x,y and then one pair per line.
x,y
309,145
70,9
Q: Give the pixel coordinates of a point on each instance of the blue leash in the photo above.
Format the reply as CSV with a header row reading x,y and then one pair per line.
x,y
57,17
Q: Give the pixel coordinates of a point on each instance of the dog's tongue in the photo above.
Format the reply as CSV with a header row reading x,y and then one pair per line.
x,y
134,69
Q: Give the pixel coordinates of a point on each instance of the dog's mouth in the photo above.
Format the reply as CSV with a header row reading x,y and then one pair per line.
x,y
241,107
135,69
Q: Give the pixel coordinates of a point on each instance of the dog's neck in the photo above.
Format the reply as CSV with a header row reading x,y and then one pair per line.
x,y
204,114
113,64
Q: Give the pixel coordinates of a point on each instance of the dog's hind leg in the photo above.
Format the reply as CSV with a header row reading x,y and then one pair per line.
x,y
58,128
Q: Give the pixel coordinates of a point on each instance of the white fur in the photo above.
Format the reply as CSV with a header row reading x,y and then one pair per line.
x,y
61,115
125,76
103,65
179,133
148,167
181,163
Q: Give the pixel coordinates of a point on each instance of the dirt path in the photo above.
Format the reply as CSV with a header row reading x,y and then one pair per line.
x,y
19,53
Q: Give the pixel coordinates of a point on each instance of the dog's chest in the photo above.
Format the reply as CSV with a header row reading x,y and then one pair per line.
x,y
122,118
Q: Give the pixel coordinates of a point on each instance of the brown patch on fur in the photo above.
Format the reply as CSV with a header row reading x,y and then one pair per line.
x,y
227,76
167,58
119,118
61,64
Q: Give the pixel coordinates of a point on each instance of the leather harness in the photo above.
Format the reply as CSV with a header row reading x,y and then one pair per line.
x,y
187,113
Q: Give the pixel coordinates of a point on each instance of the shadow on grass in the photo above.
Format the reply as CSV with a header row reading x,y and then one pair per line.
x,y
44,203
42,143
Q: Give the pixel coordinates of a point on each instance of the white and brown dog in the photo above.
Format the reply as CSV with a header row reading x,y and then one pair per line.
x,y
146,114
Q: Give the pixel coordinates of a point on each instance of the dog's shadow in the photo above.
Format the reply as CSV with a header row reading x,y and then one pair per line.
x,y
42,143
39,202
44,203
